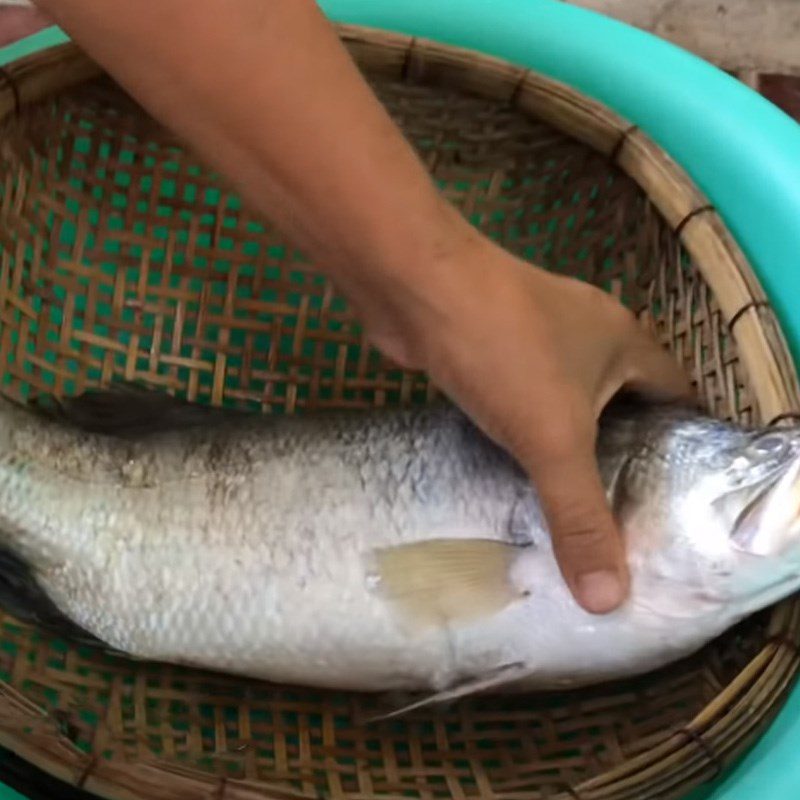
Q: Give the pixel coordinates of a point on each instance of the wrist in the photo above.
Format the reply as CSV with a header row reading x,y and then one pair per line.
x,y
418,296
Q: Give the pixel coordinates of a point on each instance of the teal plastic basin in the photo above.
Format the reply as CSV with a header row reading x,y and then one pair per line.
x,y
745,156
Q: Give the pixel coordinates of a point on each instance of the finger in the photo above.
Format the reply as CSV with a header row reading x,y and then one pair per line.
x,y
650,370
586,541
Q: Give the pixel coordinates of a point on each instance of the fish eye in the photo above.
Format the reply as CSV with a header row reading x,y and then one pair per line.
x,y
769,445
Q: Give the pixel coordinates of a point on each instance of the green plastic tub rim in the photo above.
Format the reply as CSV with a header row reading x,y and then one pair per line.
x,y
741,150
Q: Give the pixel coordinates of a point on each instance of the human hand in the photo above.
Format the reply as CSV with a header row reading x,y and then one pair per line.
x,y
533,358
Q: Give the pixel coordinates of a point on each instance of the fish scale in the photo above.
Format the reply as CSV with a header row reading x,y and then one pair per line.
x,y
380,550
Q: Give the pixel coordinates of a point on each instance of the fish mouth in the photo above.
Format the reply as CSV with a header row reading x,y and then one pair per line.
x,y
770,522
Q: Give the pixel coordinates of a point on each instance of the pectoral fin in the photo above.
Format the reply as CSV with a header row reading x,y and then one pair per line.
x,y
441,581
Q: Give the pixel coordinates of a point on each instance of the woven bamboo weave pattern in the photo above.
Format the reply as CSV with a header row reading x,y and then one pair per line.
x,y
142,267
122,257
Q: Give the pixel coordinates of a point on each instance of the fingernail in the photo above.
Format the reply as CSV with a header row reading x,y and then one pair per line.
x,y
599,592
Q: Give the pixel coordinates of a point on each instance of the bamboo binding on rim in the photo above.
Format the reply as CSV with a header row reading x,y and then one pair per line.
x,y
121,257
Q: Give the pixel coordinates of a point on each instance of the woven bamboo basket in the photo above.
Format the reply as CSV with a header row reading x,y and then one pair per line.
x,y
122,257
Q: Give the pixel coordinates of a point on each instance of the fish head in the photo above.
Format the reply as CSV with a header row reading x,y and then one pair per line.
x,y
755,504
760,499
715,525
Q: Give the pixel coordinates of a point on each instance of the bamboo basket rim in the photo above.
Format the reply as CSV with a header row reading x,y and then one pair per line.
x,y
727,725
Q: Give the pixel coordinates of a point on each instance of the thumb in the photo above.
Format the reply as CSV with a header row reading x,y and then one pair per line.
x,y
586,540
650,371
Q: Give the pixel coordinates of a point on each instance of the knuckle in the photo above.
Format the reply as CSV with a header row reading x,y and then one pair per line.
x,y
547,446
564,439
553,447
584,538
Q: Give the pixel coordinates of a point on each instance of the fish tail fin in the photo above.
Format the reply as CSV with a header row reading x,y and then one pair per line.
x,y
22,597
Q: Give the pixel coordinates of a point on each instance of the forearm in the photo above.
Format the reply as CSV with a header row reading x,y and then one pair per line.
x,y
17,20
264,91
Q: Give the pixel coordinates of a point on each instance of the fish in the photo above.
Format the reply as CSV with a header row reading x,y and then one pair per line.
x,y
384,550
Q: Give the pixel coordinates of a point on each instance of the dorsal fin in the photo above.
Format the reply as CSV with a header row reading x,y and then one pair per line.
x,y
129,411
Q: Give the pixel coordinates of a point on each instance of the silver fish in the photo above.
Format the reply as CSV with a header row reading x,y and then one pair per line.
x,y
382,550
